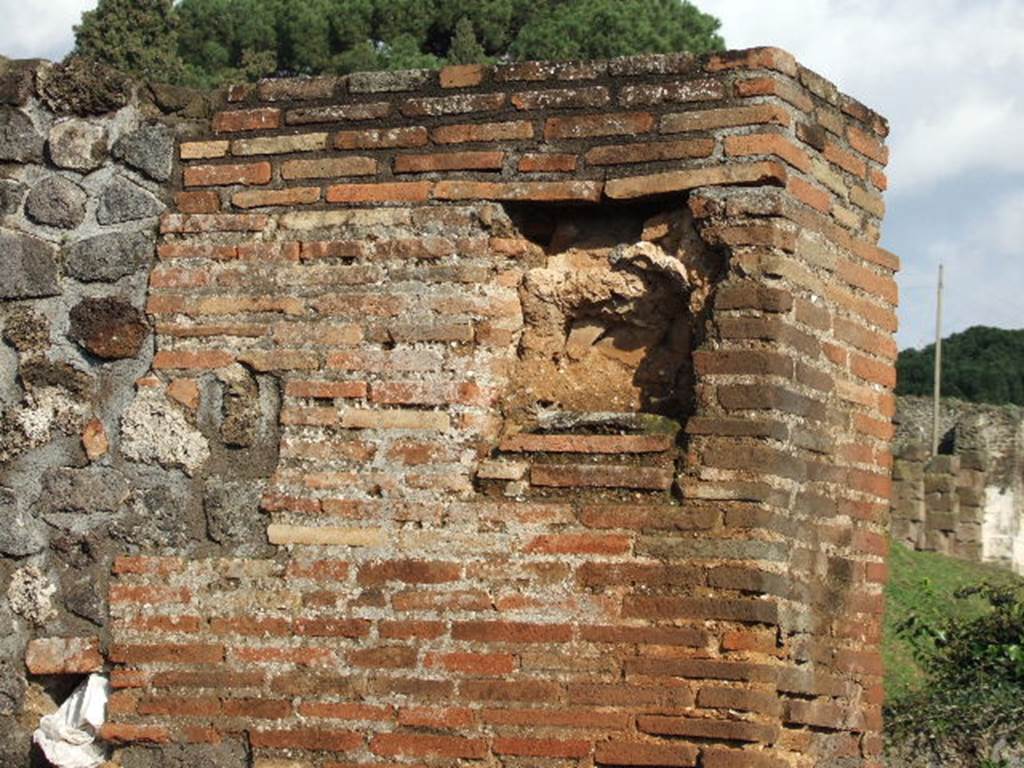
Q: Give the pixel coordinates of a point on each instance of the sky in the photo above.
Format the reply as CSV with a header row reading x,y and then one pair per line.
x,y
949,76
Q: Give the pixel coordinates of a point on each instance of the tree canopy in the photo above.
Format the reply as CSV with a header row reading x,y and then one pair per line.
x,y
209,42
981,365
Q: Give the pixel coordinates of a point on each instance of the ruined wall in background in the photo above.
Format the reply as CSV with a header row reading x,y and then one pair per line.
x,y
977,511
529,414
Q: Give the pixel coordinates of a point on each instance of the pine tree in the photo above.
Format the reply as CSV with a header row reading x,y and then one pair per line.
x,y
135,36
465,48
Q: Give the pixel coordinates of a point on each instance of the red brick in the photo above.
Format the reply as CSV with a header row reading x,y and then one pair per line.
x,y
757,173
455,161
726,117
63,656
815,197
653,151
124,733
332,627
387,192
547,163
180,706
461,75
453,105
478,664
258,709
553,748
706,728
561,98
225,174
197,202
510,632
439,718
159,566
409,572
346,711
580,544
427,745
266,197
247,120
608,124
629,753
307,738
482,132
195,653
145,594
382,138
540,191
717,757
553,443
768,144
601,476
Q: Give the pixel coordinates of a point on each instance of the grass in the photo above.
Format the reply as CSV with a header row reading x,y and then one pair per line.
x,y
924,583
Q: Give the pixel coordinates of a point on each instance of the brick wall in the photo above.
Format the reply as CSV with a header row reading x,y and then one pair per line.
x,y
567,391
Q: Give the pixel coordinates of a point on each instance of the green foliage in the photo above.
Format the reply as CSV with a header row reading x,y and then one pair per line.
x,y
967,707
210,42
922,585
466,49
980,365
135,36
597,29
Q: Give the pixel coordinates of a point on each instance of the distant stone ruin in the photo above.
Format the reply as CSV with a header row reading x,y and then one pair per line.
x,y
969,500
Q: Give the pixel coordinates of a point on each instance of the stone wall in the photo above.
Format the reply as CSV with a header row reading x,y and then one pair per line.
x,y
977,515
536,414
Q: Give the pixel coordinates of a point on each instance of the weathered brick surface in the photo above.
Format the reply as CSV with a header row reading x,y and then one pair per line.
x,y
409,554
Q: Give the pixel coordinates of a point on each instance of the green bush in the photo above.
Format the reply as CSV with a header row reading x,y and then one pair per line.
x,y
969,709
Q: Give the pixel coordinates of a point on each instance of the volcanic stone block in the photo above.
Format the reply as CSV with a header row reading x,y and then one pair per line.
x,y
109,257
109,328
149,149
78,145
20,142
121,201
57,202
28,266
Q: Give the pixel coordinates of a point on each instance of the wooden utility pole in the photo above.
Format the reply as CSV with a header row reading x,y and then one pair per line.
x,y
937,388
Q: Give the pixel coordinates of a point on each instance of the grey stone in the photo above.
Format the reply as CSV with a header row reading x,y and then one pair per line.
x,y
12,689
233,516
20,535
57,202
11,195
28,266
109,257
94,489
78,145
83,599
20,142
149,149
121,201
227,754
159,516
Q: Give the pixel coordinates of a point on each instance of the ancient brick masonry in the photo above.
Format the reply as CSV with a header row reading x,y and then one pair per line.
x,y
582,379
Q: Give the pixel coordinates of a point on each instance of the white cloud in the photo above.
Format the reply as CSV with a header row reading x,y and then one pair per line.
x,y
40,29
984,275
